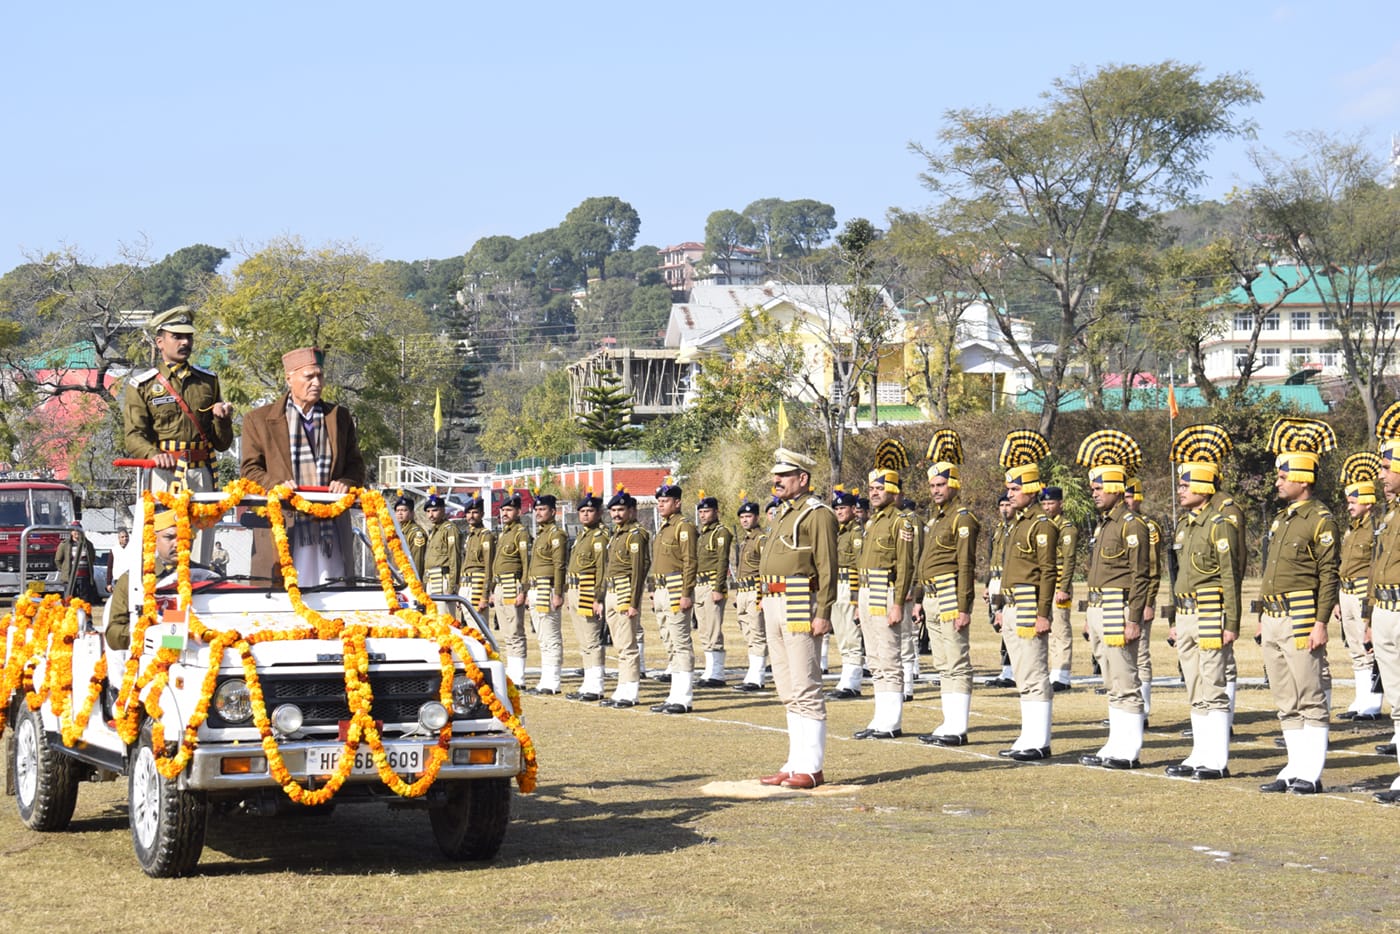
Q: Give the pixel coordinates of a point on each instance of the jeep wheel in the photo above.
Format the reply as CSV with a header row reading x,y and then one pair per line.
x,y
46,781
167,824
471,823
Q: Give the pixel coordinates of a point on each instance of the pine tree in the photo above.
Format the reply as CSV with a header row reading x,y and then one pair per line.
x,y
604,424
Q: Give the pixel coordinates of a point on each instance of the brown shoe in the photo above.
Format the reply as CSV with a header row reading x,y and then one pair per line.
x,y
803,780
777,778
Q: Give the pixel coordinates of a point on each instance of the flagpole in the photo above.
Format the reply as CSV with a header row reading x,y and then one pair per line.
x,y
1171,434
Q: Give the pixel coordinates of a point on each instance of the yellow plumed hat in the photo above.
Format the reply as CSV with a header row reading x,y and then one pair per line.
x,y
1021,453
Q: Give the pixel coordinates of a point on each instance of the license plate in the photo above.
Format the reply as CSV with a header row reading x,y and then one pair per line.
x,y
404,758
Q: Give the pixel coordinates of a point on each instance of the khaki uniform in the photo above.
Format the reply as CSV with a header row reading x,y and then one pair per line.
x,y
1207,601
587,583
887,576
844,625
673,574
1357,551
712,577
1225,504
1119,581
628,560
947,569
747,606
85,557
547,581
1061,646
478,556
155,422
908,628
1298,588
508,572
1385,603
416,539
442,562
1030,553
798,568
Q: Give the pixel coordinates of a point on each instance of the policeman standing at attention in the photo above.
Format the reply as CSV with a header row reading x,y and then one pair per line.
x,y
799,584
174,413
947,575
509,593
996,553
629,558
478,555
587,589
547,580
887,566
850,536
1028,581
1132,498
1360,473
1052,500
442,561
413,534
1385,582
673,573
1298,592
747,605
711,588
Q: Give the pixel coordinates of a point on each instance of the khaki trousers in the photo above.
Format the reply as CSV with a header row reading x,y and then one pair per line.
x,y
881,645
1120,671
675,631
624,638
797,671
588,629
709,616
843,626
511,619
749,611
1030,658
1203,669
951,651
1298,678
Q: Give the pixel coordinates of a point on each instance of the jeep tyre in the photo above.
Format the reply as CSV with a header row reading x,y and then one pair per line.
x,y
167,824
46,781
471,823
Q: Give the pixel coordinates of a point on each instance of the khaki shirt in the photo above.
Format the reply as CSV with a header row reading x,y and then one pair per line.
x,y
629,556
673,551
152,415
1302,546
1225,505
1154,558
1064,564
1358,548
1205,543
478,552
443,553
416,537
750,553
890,544
551,556
1385,567
512,551
712,556
950,546
1118,558
850,537
802,543
588,557
1030,556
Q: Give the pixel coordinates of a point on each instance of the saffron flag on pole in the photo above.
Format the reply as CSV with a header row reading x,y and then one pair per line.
x,y
437,413
782,422
1172,409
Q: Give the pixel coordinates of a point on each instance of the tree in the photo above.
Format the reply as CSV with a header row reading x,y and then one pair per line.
x,y
524,416
801,227
599,227
1342,228
180,278
725,233
605,423
1042,194
761,214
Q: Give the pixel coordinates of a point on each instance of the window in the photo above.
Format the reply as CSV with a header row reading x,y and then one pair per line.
x,y
1329,359
1299,356
1244,321
1268,357
1241,359
1302,320
1271,321
1325,321
1387,321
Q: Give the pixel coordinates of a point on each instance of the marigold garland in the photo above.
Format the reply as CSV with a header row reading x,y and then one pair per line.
x,y
45,630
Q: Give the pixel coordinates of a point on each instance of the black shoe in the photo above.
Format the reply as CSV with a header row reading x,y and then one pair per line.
x,y
1058,686
709,683
1301,786
1276,787
865,672
1385,749
747,687
1390,796
670,708
908,698
1365,717
1109,762
1093,762
944,739
618,702
1280,742
539,690
664,677
843,694
868,733
1181,771
1347,715
1006,753
1206,775
1030,755
582,696
1000,683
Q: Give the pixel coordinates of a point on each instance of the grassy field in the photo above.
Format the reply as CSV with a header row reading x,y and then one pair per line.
x,y
648,822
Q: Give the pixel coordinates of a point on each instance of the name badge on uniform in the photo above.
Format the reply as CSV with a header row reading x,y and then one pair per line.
x,y
164,400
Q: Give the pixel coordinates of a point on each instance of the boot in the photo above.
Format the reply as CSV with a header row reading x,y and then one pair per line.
x,y
515,671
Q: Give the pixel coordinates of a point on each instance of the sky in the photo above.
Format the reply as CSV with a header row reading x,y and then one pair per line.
x,y
411,130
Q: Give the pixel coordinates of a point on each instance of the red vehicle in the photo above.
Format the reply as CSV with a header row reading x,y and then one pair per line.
x,y
30,499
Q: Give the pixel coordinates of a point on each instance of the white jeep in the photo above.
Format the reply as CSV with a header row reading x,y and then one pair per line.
x,y
254,691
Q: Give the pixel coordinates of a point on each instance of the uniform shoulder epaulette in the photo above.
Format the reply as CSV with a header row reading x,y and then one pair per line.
x,y
815,501
964,511
200,369
140,376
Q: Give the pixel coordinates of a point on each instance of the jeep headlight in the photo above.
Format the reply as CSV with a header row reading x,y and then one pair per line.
x,y
464,694
233,702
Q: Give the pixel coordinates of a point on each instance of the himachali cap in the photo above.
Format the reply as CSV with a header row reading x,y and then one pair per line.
x,y
1200,451
1359,473
1388,434
303,357
786,461
1111,456
1021,453
178,320
1299,443
946,454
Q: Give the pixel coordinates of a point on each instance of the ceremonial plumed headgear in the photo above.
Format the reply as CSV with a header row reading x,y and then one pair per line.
x,y
668,489
1021,453
707,502
946,454
746,507
840,496
589,501
433,501
475,503
547,499
1111,456
890,459
1299,442
404,500
1388,434
1133,488
1199,452
1052,494
1359,473
512,499
622,498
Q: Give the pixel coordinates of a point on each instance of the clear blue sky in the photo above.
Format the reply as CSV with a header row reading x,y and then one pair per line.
x,y
413,129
